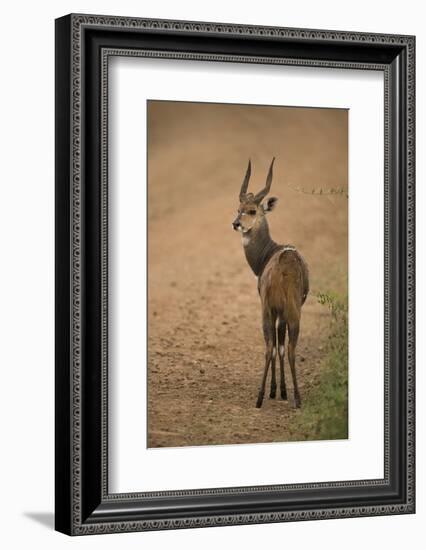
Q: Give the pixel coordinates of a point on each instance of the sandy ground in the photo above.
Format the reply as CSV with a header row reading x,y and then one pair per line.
x,y
205,344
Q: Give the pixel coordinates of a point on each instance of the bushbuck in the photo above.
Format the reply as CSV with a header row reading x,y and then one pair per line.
x,y
282,282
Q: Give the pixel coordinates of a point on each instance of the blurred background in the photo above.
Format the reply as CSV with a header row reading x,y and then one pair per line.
x,y
205,349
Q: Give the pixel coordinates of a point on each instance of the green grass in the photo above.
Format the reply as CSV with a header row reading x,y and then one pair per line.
x,y
324,413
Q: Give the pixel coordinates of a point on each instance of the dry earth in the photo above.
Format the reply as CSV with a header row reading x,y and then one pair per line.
x,y
205,344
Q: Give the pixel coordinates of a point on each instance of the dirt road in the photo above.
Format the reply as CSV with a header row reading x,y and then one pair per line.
x,y
205,345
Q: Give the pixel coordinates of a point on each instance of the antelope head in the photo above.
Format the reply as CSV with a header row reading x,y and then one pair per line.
x,y
252,210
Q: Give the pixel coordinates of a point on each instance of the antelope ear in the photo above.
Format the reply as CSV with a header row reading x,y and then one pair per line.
x,y
270,204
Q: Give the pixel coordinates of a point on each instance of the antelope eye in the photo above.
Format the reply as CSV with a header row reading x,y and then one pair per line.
x,y
252,212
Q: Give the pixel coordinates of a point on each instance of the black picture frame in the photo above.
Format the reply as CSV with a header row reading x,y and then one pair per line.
x,y
83,45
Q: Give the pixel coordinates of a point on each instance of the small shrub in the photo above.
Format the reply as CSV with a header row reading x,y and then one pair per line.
x,y
325,410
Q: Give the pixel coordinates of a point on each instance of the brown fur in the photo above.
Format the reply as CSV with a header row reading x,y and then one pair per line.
x,y
283,287
283,283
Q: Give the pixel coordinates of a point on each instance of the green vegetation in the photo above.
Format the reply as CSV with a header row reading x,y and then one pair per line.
x,y
324,413
323,191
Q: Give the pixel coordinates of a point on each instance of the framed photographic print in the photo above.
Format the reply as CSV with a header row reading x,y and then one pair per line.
x,y
234,274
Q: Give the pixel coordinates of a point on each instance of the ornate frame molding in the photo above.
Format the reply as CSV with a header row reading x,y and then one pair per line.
x,y
72,47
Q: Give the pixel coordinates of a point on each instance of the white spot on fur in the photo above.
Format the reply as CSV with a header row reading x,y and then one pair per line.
x,y
245,239
281,351
274,352
286,248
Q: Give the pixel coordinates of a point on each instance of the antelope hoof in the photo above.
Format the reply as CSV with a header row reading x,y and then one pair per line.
x,y
273,394
297,402
284,395
259,401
